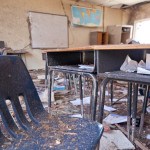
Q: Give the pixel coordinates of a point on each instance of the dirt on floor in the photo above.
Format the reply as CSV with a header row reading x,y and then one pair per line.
x,y
61,101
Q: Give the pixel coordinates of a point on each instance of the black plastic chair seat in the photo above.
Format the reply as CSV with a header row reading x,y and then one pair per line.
x,y
60,133
74,68
40,130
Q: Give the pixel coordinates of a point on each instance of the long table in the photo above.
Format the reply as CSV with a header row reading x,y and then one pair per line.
x,y
104,57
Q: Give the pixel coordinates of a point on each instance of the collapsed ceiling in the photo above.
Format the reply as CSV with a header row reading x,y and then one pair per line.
x,y
116,3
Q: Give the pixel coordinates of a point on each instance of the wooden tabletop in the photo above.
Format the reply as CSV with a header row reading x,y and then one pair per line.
x,y
102,47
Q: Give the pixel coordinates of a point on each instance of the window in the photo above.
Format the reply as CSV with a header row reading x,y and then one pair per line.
x,y
142,31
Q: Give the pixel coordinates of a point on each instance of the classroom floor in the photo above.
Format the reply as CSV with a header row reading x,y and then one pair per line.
x,y
62,104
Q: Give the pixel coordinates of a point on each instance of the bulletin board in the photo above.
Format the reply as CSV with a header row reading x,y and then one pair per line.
x,y
48,30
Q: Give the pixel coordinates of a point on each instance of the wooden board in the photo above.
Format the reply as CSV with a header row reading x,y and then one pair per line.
x,y
102,47
48,30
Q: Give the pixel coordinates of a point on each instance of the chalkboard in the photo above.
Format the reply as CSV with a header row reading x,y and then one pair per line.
x,y
48,30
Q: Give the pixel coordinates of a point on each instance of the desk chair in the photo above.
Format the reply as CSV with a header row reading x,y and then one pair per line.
x,y
39,130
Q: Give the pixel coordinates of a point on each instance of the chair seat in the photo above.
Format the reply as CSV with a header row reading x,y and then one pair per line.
x,y
59,133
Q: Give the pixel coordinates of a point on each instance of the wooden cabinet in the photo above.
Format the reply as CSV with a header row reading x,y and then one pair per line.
x,y
98,38
119,33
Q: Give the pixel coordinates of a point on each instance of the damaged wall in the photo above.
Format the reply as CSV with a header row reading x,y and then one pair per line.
x,y
15,32
137,12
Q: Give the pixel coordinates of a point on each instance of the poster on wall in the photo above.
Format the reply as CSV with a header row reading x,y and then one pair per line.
x,y
88,17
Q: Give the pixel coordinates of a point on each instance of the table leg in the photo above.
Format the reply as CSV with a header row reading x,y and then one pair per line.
x,y
93,100
134,111
129,108
146,95
111,91
81,95
102,99
50,88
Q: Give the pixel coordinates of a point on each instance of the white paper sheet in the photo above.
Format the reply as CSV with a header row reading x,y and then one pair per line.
x,y
77,102
76,116
114,118
147,61
115,140
107,108
129,65
86,66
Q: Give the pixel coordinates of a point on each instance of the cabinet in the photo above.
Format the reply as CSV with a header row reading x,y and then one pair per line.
x,y
98,38
119,33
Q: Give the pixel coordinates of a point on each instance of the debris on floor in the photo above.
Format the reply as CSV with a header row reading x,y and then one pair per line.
x,y
115,140
77,116
67,102
115,118
148,136
86,100
107,108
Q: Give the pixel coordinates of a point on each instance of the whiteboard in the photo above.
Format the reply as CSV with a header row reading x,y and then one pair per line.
x,y
48,30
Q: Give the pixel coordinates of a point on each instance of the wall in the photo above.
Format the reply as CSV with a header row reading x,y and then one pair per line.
x,y
14,25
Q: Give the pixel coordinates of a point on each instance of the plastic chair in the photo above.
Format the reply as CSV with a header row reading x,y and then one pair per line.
x,y
36,129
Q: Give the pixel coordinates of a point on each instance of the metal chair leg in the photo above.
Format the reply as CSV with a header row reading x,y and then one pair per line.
x,y
102,99
50,88
129,109
81,95
75,83
111,91
146,95
93,100
134,111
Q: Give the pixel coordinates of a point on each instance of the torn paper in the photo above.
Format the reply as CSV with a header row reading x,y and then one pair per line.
x,y
114,118
77,102
115,140
141,69
148,61
76,116
107,108
86,66
120,100
129,65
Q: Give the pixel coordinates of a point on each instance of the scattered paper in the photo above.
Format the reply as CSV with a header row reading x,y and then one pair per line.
x,y
147,61
114,118
142,64
148,109
76,116
121,100
141,69
107,108
77,102
115,140
41,77
60,80
148,136
129,65
86,66
44,96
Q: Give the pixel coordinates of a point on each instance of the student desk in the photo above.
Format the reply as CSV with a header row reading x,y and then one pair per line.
x,y
106,58
133,80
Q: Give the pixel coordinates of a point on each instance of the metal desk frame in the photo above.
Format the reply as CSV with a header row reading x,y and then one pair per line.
x,y
133,80
106,57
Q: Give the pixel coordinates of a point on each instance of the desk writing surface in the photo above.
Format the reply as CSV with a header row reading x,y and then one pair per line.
x,y
102,47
